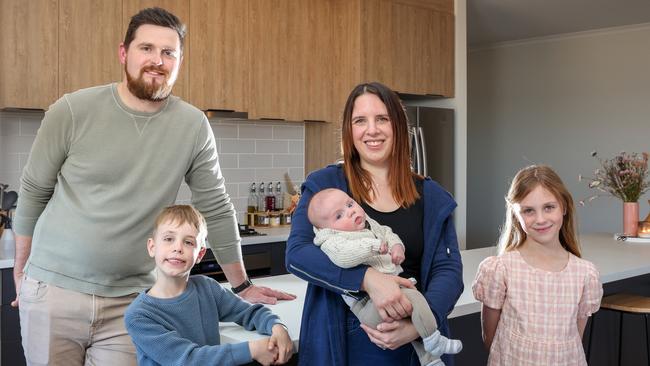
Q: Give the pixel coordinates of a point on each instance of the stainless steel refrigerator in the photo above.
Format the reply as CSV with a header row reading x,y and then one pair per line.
x,y
431,133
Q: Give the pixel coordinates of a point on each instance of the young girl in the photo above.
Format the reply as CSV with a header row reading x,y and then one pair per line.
x,y
537,293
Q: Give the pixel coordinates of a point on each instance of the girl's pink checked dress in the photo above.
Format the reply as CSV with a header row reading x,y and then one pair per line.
x,y
539,309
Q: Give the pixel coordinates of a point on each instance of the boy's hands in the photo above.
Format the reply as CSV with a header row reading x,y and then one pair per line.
x,y
397,254
275,350
281,343
383,248
260,351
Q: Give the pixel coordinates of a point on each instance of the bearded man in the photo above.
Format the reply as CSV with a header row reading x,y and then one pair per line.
x,y
106,160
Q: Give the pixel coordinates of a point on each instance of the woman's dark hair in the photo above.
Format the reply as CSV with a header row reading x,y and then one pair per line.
x,y
400,176
154,16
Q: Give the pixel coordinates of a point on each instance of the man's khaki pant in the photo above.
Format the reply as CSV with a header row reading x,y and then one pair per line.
x,y
64,327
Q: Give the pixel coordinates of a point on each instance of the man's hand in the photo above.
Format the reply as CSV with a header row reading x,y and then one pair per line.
x,y
397,254
18,280
264,295
281,341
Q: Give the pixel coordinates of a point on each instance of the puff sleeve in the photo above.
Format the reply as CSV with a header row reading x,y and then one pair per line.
x,y
490,285
592,293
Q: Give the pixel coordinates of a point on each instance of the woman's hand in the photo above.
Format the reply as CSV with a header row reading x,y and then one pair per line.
x,y
392,335
384,290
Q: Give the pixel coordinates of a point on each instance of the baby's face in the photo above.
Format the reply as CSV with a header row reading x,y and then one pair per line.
x,y
339,211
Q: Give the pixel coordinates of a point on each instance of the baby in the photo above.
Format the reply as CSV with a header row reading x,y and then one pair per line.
x,y
350,238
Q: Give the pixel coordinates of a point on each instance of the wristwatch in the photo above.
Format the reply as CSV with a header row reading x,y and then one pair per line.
x,y
247,283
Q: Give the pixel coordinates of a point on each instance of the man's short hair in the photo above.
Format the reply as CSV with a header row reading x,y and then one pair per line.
x,y
154,16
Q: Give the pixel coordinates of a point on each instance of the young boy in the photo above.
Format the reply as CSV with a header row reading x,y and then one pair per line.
x,y
350,238
177,320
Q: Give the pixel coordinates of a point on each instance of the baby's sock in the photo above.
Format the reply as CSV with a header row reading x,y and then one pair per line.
x,y
437,362
437,344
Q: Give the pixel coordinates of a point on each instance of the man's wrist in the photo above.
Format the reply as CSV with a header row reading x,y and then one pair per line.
x,y
246,284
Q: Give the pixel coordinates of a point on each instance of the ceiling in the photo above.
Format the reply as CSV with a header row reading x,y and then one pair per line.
x,y
494,21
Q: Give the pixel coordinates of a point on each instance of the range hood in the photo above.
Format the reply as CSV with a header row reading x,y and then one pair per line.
x,y
225,114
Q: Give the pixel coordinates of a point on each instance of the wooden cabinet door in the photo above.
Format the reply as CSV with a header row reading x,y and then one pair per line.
x,y
408,46
29,46
90,33
219,64
180,8
290,67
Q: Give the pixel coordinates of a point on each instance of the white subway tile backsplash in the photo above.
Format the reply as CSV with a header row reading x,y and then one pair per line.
x,y
222,131
255,131
17,144
297,147
255,160
289,132
29,126
10,127
287,161
11,162
249,151
229,161
269,174
238,175
245,188
237,146
271,146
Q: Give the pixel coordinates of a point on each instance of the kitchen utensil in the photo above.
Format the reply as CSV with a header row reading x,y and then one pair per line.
x,y
9,200
2,193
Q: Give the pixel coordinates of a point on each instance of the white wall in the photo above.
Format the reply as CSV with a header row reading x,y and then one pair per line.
x,y
459,104
554,100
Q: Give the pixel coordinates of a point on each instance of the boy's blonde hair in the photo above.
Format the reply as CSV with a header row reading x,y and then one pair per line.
x,y
184,214
526,180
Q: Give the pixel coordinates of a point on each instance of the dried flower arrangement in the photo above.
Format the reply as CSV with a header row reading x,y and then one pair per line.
x,y
625,176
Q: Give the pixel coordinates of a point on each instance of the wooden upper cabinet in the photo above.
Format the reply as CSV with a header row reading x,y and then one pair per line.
x,y
29,47
408,45
90,34
290,64
219,63
180,8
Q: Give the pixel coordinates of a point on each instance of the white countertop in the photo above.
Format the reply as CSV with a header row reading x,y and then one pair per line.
x,y
273,235
615,260
290,312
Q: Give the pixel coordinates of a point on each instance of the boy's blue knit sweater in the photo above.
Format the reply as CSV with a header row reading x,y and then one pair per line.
x,y
184,330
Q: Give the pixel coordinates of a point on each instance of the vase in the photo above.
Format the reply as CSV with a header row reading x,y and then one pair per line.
x,y
630,218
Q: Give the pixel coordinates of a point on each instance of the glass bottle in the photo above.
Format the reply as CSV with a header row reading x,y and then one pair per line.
x,y
270,198
261,200
279,197
252,200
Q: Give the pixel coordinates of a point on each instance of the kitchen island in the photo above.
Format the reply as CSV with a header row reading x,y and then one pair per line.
x,y
616,260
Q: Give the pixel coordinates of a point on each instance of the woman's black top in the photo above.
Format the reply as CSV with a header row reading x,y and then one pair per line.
x,y
407,224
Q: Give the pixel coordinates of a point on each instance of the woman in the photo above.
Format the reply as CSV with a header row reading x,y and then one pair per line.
x,y
376,173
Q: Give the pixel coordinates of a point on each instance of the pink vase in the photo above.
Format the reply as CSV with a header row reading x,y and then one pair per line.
x,y
630,218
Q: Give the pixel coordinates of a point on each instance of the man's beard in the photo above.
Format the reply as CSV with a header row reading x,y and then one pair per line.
x,y
153,91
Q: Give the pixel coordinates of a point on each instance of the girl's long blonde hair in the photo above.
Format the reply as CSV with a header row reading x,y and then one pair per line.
x,y
527,179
